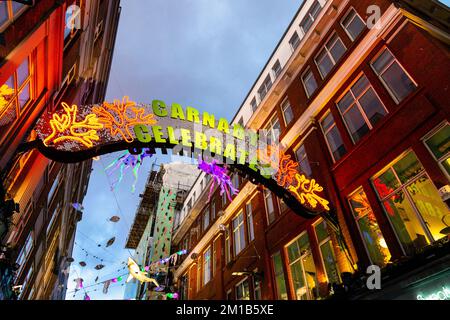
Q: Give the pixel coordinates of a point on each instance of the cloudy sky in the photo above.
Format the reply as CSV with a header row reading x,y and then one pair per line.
x,y
203,53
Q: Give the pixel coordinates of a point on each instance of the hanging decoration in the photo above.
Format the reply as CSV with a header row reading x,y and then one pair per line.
x,y
114,219
78,206
127,161
82,263
110,242
99,267
86,297
79,284
136,273
220,177
154,267
106,286
172,295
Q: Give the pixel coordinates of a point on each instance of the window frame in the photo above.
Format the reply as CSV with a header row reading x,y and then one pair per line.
x,y
275,73
346,26
305,158
273,205
308,15
294,35
206,264
325,135
309,70
236,232
11,15
379,75
250,222
265,87
358,105
325,48
246,279
431,133
286,104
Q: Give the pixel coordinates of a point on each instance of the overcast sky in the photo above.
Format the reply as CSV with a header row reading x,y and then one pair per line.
x,y
203,53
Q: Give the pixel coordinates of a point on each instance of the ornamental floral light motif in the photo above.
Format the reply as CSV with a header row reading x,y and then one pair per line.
x,y
66,127
220,177
121,116
306,189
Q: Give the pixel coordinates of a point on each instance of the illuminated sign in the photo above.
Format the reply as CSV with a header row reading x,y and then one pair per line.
x,y
74,134
443,294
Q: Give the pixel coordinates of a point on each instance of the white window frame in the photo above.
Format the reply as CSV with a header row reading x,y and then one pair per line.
x,y
265,87
345,26
379,75
284,105
308,70
236,232
310,16
206,264
325,133
275,74
358,105
290,41
325,48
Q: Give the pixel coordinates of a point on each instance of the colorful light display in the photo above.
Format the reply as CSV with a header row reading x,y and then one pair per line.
x,y
127,161
66,127
220,177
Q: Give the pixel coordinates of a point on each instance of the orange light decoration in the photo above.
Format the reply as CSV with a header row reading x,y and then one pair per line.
x,y
287,170
116,117
5,91
67,127
306,189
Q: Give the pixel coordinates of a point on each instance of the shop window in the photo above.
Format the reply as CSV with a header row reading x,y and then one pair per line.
x,y
310,17
439,145
288,115
276,69
412,203
207,266
327,252
279,277
243,290
373,239
331,53
303,161
353,24
15,96
265,87
361,108
238,233
270,210
250,226
309,83
333,137
393,76
302,269
294,41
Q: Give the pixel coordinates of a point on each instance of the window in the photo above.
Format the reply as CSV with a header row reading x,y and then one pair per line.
x,y
227,244
294,41
279,277
288,115
302,159
270,210
214,258
309,83
439,145
302,269
276,69
373,239
393,76
199,276
236,181
265,87
24,253
330,55
52,191
26,280
254,104
238,233
412,203
8,11
17,94
206,218
257,288
353,24
327,252
207,266
361,108
333,137
250,227
213,210
243,290
273,130
52,219
310,17
224,199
